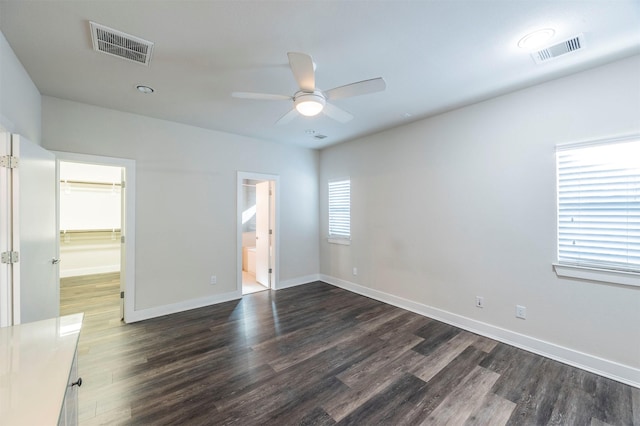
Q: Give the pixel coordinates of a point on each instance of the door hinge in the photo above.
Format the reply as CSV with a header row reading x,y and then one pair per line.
x,y
9,162
270,231
122,295
10,257
122,239
270,271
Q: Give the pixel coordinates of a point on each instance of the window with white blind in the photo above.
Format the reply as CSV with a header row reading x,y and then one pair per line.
x,y
599,208
340,211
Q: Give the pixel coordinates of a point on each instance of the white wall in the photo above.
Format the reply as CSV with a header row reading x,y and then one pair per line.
x,y
19,98
186,197
463,204
94,208
88,253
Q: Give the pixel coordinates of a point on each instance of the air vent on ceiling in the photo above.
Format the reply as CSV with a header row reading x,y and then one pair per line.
x,y
116,43
571,45
320,136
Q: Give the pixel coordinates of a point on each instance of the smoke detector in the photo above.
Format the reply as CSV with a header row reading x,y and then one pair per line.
x,y
568,46
119,44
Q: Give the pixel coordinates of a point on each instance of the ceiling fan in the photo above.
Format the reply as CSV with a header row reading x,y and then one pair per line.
x,y
310,100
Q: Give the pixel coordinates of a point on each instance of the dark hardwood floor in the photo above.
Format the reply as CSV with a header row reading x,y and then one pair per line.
x,y
318,355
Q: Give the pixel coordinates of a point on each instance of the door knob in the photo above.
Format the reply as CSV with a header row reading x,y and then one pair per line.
x,y
55,261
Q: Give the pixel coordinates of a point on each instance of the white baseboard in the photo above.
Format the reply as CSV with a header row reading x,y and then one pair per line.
x,y
603,367
144,314
297,281
64,273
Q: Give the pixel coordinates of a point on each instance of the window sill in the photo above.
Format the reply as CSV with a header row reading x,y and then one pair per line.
x,y
594,274
341,241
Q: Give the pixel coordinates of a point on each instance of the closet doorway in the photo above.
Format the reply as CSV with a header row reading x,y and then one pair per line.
x,y
90,217
257,232
96,219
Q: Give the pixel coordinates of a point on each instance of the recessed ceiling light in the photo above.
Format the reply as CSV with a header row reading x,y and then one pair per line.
x,y
536,39
144,89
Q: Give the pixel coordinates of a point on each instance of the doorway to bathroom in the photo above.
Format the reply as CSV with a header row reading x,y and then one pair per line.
x,y
257,232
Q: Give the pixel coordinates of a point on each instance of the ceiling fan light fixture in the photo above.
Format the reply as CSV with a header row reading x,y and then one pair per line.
x,y
309,104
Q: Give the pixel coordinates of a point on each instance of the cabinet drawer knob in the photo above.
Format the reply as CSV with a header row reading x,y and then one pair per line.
x,y
78,382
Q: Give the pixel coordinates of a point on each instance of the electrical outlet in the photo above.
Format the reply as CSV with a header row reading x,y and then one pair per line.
x,y
479,302
214,280
355,271
521,312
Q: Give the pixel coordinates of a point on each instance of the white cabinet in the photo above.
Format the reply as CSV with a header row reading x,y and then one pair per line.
x,y
38,364
69,412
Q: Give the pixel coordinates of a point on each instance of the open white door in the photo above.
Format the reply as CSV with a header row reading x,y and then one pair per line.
x,y
6,240
272,232
263,237
123,253
36,293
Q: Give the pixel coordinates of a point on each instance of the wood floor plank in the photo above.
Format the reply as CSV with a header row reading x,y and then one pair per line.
x,y
596,422
493,410
464,399
390,405
317,368
613,402
536,395
366,388
442,356
635,403
394,348
397,321
440,385
317,417
434,333
296,410
484,344
317,355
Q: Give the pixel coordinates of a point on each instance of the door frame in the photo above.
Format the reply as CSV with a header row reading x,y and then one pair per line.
x,y
275,242
129,216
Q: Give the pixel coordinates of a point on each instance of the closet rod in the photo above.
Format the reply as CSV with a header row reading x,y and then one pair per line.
x,y
78,231
82,182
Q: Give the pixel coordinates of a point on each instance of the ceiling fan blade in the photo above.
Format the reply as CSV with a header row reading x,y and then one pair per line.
x,y
287,117
302,67
357,89
260,96
336,113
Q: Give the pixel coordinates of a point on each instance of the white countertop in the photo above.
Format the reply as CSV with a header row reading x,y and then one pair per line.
x,y
35,362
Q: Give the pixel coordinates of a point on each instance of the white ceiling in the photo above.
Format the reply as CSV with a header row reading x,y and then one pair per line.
x,y
434,55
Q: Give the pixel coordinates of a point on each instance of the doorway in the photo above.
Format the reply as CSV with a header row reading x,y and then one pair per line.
x,y
90,218
257,232
96,223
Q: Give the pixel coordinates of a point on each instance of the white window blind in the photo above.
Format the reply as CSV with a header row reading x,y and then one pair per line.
x,y
599,205
340,208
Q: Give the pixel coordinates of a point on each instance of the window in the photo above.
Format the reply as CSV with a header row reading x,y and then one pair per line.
x,y
340,211
599,207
